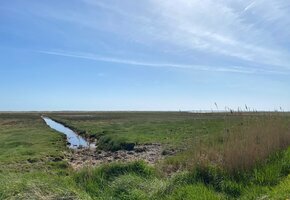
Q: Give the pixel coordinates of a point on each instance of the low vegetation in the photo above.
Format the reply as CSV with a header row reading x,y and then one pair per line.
x,y
31,160
219,156
110,144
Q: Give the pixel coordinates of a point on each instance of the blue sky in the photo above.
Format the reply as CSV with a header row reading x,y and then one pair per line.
x,y
144,55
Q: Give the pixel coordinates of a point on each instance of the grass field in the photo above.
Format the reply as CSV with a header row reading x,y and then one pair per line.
x,y
173,130
31,165
220,156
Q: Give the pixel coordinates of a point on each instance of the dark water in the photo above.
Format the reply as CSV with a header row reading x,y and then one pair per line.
x,y
74,139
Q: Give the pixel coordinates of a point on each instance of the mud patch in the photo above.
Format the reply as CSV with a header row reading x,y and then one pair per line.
x,y
150,153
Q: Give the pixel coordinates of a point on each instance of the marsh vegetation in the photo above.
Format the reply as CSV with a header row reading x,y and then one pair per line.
x,y
243,155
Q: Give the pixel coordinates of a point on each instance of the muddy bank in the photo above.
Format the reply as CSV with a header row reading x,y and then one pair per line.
x,y
84,153
150,153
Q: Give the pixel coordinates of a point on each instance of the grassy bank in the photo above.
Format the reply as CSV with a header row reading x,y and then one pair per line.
x,y
31,160
221,156
138,181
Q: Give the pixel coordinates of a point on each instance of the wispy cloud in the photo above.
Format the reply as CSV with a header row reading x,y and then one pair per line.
x,y
211,27
232,32
249,6
89,56
215,27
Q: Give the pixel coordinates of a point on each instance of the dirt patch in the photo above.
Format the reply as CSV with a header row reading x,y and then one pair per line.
x,y
149,153
11,122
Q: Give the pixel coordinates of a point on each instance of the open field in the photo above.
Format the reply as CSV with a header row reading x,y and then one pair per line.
x,y
206,156
172,129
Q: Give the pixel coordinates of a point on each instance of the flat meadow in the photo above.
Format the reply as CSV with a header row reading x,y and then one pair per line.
x,y
238,155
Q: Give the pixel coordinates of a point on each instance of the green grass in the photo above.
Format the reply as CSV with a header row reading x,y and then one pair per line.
x,y
172,129
31,165
139,181
242,156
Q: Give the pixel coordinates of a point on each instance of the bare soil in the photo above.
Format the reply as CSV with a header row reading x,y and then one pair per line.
x,y
150,153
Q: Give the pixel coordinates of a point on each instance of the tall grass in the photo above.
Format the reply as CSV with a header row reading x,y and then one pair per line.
x,y
252,142
239,148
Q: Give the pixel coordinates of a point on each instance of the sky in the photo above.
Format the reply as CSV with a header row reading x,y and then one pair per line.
x,y
144,55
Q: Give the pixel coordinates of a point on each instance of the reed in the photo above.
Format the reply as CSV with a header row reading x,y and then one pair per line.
x,y
240,147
